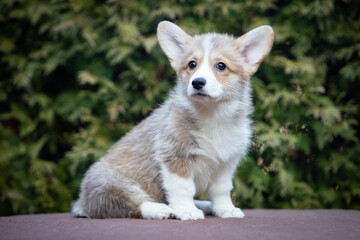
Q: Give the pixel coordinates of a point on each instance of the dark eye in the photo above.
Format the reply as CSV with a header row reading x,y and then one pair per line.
x,y
220,66
192,65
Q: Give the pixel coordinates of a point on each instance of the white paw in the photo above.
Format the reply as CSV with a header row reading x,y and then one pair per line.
x,y
189,214
231,213
153,210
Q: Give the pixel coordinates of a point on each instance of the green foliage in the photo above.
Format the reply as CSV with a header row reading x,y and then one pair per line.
x,y
77,75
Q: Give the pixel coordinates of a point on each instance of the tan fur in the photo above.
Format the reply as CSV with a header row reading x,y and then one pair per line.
x,y
229,54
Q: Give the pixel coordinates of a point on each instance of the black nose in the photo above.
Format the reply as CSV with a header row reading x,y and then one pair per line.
x,y
198,83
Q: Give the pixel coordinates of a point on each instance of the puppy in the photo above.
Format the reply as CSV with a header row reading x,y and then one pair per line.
x,y
192,143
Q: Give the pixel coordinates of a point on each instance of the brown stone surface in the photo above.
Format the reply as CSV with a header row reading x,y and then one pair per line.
x,y
258,224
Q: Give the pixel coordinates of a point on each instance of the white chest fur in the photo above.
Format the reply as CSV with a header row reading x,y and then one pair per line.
x,y
224,141
220,143
225,134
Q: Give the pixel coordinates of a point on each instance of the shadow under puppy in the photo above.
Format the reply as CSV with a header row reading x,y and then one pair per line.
x,y
192,143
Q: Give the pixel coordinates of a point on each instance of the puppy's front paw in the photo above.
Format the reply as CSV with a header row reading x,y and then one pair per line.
x,y
189,214
230,213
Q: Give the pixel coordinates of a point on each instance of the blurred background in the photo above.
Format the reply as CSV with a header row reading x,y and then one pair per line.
x,y
77,75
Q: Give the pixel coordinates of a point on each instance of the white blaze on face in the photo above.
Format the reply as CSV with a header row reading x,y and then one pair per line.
x,y
212,88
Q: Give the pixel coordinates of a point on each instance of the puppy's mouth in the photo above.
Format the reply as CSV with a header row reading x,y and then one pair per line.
x,y
199,94
203,97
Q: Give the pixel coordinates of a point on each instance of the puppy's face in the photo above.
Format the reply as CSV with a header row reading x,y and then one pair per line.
x,y
213,67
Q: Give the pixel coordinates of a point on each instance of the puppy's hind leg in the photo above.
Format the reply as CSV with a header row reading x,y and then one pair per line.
x,y
76,210
107,193
154,210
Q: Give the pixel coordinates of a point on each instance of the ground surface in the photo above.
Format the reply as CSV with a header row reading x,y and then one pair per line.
x,y
258,224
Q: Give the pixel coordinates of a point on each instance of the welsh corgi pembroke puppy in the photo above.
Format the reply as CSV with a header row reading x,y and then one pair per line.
x,y
192,143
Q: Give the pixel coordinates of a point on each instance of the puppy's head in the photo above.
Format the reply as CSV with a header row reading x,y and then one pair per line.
x,y
213,66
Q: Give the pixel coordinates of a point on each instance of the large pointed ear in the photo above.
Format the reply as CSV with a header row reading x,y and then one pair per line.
x,y
172,41
254,47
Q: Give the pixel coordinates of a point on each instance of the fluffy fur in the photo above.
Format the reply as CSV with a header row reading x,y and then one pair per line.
x,y
192,143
